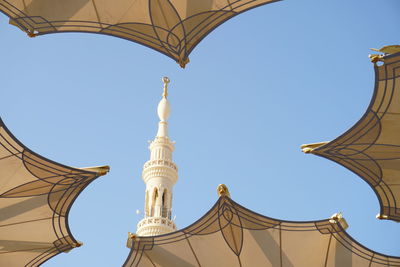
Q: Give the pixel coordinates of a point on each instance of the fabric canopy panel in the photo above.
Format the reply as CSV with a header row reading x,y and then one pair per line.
x,y
172,27
371,148
231,235
35,197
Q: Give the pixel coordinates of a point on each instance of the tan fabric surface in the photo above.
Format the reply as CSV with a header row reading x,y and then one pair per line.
x,y
35,197
231,235
371,148
172,27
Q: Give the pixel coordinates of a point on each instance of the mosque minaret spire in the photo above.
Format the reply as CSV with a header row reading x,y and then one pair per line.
x,y
159,174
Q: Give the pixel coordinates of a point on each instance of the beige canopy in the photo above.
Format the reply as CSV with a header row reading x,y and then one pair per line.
x,y
36,195
172,27
371,148
231,235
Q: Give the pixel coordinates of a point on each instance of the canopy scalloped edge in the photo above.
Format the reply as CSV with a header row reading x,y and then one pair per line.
x,y
171,27
36,195
231,235
371,148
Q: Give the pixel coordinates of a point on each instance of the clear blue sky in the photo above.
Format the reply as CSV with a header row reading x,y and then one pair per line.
x,y
256,88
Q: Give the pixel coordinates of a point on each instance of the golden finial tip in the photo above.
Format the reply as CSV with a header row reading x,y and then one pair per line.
x,y
166,81
338,218
223,191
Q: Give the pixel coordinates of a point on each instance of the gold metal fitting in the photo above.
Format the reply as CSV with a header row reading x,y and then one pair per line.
x,y
375,58
31,34
131,238
77,244
386,50
338,218
381,216
131,235
100,170
166,81
308,148
223,191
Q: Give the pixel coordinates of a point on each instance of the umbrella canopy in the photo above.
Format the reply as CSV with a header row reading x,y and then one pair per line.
x,y
36,195
371,148
172,27
231,235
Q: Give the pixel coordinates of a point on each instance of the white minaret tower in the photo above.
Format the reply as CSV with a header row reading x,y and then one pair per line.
x,y
159,174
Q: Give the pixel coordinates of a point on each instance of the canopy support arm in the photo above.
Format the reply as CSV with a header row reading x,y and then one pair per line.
x,y
308,148
100,170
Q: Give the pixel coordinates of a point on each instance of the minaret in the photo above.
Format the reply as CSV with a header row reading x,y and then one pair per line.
x,y
159,174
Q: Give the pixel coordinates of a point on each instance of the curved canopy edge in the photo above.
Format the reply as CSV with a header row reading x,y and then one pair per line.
x,y
231,235
371,148
36,195
172,27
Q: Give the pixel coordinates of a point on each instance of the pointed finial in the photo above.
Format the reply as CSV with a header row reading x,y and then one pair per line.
x,y
163,109
223,191
338,218
166,82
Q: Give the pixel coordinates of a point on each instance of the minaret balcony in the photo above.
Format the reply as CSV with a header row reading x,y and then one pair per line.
x,y
160,162
160,168
155,226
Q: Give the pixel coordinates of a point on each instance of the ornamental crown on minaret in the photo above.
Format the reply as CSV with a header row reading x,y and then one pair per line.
x,y
163,111
163,108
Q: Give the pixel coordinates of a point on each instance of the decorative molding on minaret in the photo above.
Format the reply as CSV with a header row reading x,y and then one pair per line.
x,y
159,174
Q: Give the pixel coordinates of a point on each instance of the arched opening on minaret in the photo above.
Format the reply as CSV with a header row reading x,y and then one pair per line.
x,y
146,207
163,198
153,202
164,205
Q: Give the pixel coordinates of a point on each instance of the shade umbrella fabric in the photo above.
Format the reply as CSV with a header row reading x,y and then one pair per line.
x,y
371,148
36,195
172,27
231,235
